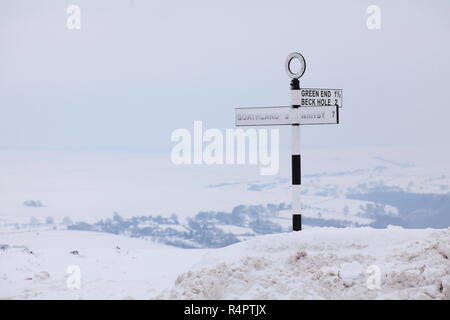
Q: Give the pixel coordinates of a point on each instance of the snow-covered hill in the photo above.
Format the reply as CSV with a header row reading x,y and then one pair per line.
x,y
325,263
218,205
316,263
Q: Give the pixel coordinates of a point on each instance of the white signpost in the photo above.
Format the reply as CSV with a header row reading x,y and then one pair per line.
x,y
317,97
271,116
308,106
268,116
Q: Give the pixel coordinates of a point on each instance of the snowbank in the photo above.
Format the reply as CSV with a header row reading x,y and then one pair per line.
x,y
325,263
317,263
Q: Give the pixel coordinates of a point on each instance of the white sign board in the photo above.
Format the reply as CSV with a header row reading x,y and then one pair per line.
x,y
316,115
269,116
316,97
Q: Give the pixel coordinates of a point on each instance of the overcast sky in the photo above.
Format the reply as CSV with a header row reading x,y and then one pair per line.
x,y
139,69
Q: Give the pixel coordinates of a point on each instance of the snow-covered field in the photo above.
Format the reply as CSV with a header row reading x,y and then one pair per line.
x,y
317,263
89,186
34,265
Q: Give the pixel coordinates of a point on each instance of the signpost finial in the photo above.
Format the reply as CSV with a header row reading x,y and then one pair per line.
x,y
301,59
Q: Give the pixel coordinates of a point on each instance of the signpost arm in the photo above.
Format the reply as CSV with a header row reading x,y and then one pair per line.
x,y
296,166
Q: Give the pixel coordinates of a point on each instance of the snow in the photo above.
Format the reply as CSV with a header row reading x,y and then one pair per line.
x,y
324,263
90,186
236,230
34,265
316,263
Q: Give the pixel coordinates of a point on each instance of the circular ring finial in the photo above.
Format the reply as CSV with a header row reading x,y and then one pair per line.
x,y
299,57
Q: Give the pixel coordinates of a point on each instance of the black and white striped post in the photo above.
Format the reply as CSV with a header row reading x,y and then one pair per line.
x,y
296,157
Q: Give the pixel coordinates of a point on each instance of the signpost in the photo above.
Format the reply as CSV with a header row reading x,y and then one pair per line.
x,y
268,116
317,97
308,107
272,116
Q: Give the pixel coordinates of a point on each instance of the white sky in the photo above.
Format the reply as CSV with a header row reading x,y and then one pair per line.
x,y
137,70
